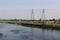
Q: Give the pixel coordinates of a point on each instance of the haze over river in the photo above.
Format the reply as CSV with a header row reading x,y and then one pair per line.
x,y
18,32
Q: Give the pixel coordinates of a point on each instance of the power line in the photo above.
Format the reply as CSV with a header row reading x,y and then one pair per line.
x,y
47,9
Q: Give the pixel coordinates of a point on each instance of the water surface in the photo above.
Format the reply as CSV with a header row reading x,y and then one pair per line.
x,y
18,32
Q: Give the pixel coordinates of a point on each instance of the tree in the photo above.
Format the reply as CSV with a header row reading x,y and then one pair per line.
x,y
59,19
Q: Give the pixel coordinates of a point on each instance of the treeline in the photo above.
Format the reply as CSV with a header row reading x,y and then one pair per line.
x,y
32,20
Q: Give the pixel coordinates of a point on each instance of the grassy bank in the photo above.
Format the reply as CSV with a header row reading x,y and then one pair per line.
x,y
35,23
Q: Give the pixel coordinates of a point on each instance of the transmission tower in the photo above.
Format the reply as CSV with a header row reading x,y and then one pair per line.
x,y
32,14
43,14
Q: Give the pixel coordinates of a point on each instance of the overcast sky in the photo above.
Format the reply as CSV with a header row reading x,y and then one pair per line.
x,y
21,9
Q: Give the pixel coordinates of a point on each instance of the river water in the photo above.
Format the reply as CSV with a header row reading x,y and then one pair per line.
x,y
18,32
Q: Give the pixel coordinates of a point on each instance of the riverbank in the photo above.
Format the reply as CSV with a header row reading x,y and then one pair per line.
x,y
36,23
43,26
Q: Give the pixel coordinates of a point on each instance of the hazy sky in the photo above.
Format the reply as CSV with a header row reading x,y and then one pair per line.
x,y
21,9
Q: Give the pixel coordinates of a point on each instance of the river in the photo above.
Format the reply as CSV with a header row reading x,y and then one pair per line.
x,y
18,32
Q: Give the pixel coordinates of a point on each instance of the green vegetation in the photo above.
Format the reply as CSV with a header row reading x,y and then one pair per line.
x,y
46,23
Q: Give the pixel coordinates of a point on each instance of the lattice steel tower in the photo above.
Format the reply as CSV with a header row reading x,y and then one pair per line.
x,y
32,14
43,14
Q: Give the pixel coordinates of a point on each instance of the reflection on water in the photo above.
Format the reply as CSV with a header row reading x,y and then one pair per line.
x,y
17,32
1,35
25,37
